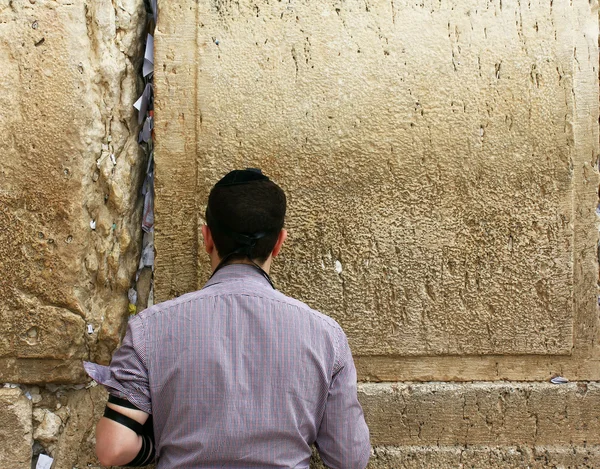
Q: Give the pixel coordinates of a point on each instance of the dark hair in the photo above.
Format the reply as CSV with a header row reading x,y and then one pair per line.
x,y
248,209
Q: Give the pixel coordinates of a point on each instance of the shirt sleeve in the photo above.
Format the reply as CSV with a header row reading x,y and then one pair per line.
x,y
343,437
127,375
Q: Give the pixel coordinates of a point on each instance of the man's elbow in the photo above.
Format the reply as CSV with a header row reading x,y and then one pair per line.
x,y
359,448
108,456
364,460
362,457
358,458
113,446
115,454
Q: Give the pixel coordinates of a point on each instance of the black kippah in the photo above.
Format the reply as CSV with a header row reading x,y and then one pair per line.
x,y
235,178
242,176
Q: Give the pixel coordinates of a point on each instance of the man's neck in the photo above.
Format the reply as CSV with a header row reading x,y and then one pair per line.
x,y
266,266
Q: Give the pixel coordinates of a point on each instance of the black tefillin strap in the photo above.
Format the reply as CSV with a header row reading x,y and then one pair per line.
x,y
246,241
122,402
147,453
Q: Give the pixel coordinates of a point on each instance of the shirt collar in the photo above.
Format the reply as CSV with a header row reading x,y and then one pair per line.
x,y
237,272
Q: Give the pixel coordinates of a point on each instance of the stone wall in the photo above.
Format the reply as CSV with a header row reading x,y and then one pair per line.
x,y
440,165
440,161
70,173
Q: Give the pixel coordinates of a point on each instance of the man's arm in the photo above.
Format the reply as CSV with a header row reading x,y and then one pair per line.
x,y
343,438
121,437
116,444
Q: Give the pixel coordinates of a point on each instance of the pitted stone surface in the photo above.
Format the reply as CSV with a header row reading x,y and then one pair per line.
x,y
15,429
424,425
76,444
440,165
480,457
492,414
67,83
437,159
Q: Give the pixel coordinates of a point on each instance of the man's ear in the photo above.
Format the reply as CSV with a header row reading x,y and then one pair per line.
x,y
209,244
280,239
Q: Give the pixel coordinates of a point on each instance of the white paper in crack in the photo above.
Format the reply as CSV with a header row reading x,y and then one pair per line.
x,y
151,296
138,103
143,102
148,67
148,193
44,462
132,296
147,257
146,132
154,5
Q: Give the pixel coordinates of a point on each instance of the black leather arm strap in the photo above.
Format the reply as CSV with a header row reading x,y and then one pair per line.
x,y
147,453
122,402
124,420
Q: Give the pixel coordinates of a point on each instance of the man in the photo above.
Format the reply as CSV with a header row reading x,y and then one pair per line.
x,y
236,375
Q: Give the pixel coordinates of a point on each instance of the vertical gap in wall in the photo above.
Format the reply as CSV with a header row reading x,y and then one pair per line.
x,y
141,295
598,169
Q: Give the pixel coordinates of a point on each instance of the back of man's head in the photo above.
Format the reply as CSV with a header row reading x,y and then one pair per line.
x,y
246,204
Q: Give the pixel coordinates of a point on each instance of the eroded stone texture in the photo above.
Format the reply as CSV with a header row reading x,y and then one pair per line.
x,y
422,457
491,414
412,425
76,444
431,153
67,83
15,429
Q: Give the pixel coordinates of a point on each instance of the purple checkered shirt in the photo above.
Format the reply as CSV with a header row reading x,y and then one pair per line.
x,y
238,375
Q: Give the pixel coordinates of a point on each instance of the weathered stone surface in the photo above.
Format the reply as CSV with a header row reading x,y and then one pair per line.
x,y
437,157
48,426
481,457
482,368
78,411
67,83
442,188
478,425
419,457
76,445
36,370
15,429
491,414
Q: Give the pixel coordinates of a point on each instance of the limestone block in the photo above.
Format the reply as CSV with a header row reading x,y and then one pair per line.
x,y
77,442
68,156
505,414
478,425
76,445
15,429
424,457
438,160
48,427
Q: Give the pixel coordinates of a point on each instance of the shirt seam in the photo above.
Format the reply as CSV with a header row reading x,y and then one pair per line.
x,y
144,357
337,366
308,309
367,451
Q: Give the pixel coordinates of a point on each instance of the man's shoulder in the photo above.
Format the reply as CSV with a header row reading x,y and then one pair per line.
x,y
303,307
168,306
208,296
